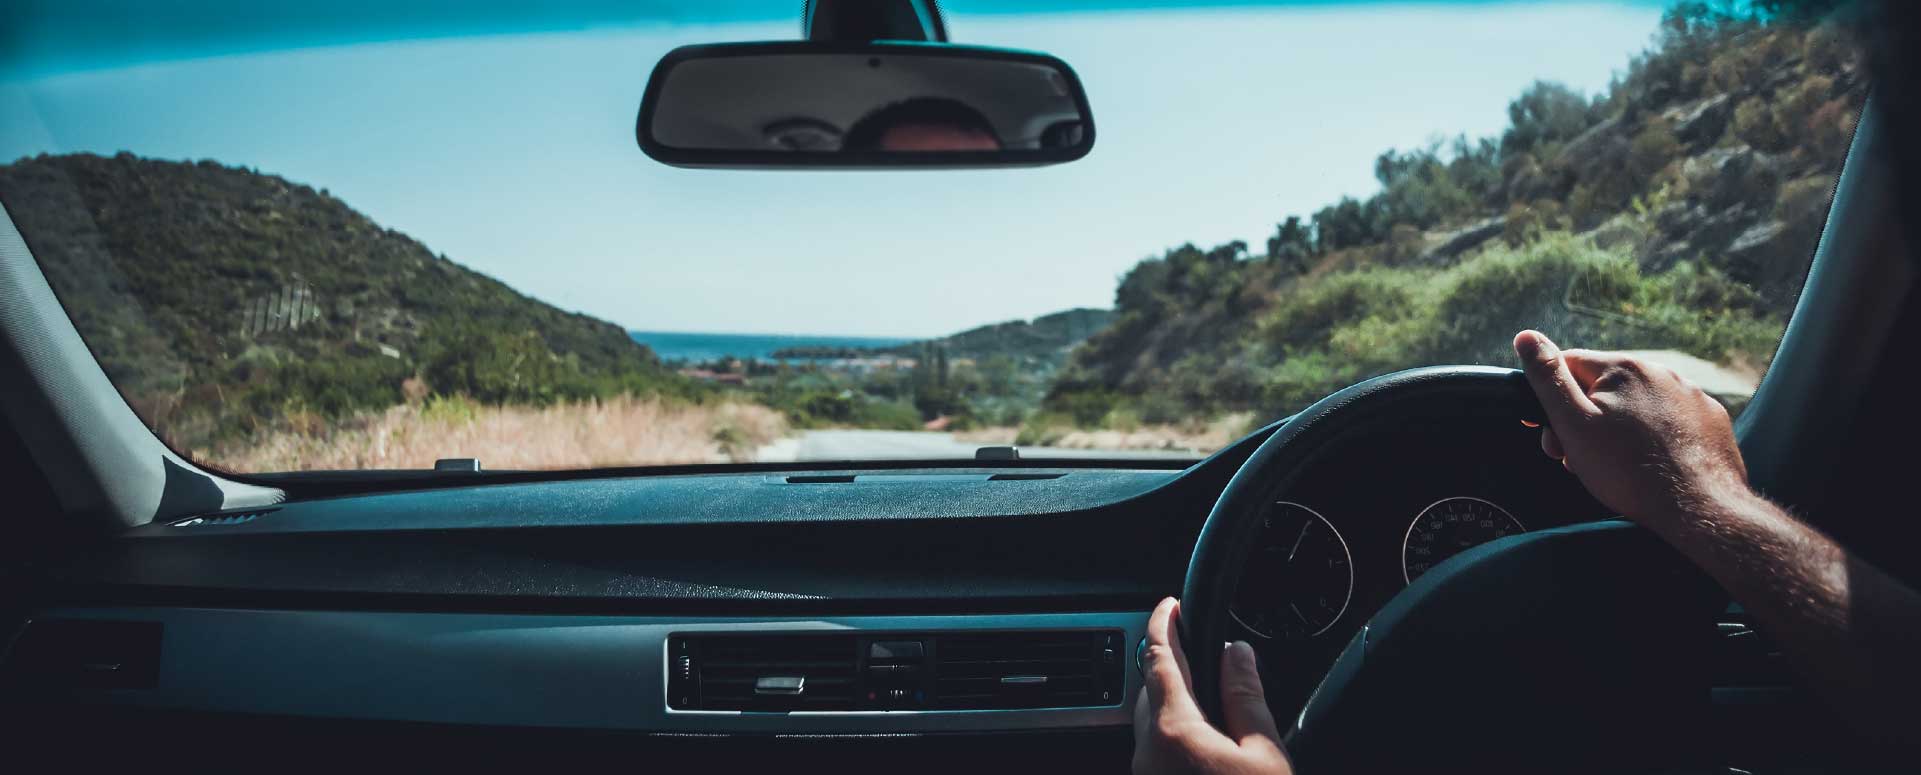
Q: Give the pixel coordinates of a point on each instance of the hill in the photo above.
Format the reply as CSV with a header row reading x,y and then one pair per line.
x,y
1675,211
992,375
1048,337
224,301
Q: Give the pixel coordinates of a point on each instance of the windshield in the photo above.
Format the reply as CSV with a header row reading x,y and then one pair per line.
x,y
296,243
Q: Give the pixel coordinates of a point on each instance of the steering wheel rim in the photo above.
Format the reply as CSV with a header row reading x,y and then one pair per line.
x,y
1220,551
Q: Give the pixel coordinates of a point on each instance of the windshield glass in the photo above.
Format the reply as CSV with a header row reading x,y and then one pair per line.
x,y
370,239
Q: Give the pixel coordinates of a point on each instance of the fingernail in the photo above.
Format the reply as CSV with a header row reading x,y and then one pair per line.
x,y
1241,653
1527,344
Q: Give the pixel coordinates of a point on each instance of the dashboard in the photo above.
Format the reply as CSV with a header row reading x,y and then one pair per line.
x,y
574,603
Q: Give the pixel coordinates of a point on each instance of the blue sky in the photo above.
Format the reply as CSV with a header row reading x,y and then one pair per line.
x,y
514,154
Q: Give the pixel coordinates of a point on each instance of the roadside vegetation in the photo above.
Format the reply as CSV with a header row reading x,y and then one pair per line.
x,y
1676,211
621,431
233,308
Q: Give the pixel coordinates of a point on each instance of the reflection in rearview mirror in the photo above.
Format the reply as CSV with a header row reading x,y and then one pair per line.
x,y
872,105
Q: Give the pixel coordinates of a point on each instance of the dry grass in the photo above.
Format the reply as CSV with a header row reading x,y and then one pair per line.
x,y
619,431
1200,437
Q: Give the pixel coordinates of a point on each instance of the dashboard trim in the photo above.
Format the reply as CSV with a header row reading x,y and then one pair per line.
x,y
591,672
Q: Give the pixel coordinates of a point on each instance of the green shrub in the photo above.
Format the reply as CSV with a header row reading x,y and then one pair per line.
x,y
1652,150
1403,317
452,410
1756,124
1044,429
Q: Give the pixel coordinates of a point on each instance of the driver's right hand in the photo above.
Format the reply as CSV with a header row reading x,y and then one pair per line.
x,y
1643,440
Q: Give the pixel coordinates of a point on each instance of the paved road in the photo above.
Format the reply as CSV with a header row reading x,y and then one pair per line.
x,y
919,445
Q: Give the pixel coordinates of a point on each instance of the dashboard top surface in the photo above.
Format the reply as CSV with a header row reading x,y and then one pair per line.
x,y
811,496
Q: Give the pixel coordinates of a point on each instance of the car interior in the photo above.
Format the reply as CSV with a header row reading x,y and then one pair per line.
x,y
1426,591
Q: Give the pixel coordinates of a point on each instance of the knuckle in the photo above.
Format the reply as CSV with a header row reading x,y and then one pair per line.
x,y
1158,653
1621,374
1715,407
1247,691
1166,673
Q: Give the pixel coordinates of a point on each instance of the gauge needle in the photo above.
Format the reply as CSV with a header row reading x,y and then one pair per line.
x,y
1297,540
1297,613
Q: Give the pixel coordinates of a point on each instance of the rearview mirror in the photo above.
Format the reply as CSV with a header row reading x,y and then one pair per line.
x,y
880,104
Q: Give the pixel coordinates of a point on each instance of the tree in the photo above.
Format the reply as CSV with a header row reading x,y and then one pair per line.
x,y
1546,113
1291,245
1343,225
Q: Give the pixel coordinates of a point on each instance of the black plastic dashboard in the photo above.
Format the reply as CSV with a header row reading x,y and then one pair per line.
x,y
570,588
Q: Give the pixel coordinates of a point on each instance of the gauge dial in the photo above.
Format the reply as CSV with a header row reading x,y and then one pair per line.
x,y
1450,527
1298,578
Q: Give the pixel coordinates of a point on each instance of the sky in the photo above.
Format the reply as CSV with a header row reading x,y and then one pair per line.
x,y
515,154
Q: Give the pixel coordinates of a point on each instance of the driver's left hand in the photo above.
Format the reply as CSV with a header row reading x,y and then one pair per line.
x,y
1171,735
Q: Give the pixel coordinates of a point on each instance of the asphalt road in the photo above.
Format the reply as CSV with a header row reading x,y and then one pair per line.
x,y
920,445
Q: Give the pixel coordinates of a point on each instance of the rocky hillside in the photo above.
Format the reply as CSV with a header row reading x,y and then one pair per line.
x,y
1678,210
223,300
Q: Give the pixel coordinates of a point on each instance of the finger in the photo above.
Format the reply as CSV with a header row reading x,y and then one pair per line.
x,y
1562,399
1174,645
1243,701
1167,684
1551,444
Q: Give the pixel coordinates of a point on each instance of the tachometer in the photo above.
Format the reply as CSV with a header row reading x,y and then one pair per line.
x,y
1452,526
1298,578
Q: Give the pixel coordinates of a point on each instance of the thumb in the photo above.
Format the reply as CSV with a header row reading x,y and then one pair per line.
x,y
1243,701
1547,372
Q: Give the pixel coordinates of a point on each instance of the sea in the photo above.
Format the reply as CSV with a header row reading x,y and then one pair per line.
x,y
696,348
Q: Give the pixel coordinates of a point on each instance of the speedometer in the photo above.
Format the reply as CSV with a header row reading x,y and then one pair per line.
x,y
1298,577
1450,527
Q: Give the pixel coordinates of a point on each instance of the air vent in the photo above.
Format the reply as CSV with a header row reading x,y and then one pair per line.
x,y
61,654
1028,670
762,673
787,672
229,518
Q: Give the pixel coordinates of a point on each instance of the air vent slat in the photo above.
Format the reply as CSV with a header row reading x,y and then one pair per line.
x,y
1007,670
812,664
1003,667
724,672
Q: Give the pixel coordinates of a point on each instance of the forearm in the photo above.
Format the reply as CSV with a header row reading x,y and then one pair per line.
x,y
1846,626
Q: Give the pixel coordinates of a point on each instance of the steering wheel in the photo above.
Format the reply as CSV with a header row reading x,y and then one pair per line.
x,y
1568,649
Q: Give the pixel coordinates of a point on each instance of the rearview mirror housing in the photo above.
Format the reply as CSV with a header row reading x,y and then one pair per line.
x,y
881,104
